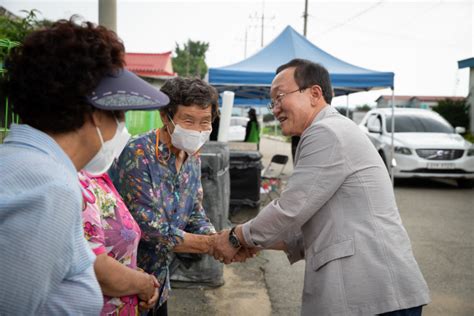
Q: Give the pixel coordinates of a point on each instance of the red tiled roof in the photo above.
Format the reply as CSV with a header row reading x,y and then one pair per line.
x,y
150,65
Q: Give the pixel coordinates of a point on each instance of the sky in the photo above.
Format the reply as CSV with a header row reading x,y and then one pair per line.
x,y
420,41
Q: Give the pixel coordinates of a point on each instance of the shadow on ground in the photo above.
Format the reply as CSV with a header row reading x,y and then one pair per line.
x,y
244,291
420,183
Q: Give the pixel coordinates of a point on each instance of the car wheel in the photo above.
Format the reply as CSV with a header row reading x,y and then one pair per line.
x,y
465,183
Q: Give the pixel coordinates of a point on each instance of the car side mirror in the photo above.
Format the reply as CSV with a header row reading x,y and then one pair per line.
x,y
374,128
460,130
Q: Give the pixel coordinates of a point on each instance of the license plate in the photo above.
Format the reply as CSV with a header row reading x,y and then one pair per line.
x,y
440,165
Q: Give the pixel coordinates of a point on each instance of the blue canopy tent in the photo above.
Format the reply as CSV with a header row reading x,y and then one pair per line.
x,y
251,78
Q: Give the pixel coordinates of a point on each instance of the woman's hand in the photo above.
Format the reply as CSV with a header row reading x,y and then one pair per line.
x,y
148,287
148,304
117,280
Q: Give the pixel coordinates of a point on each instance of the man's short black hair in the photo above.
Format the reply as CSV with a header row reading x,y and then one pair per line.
x,y
308,74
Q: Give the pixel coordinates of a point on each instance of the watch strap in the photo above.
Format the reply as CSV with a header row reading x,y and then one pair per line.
x,y
233,239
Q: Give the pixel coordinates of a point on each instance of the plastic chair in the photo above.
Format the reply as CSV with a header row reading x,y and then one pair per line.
x,y
271,177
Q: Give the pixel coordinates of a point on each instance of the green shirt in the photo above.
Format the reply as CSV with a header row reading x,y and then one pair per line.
x,y
252,133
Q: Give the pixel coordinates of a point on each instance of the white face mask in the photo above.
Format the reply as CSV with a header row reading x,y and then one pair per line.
x,y
188,140
123,138
109,150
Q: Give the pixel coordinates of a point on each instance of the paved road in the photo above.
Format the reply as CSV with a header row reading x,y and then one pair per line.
x,y
439,219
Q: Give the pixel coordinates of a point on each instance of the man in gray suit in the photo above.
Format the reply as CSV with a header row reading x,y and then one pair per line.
x,y
338,211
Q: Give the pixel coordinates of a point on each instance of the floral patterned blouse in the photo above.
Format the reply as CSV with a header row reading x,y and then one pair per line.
x,y
165,203
109,228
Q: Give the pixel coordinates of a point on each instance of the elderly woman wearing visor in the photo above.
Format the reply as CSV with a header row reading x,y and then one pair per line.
x,y
109,228
69,88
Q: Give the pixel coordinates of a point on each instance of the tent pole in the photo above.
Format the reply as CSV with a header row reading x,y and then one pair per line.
x,y
392,147
226,113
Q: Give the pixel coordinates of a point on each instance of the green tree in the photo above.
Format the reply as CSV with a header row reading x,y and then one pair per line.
x,y
13,30
456,112
190,59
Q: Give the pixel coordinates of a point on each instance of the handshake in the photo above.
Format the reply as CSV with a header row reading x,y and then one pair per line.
x,y
228,248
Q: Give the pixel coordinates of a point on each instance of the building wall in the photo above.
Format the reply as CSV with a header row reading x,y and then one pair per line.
x,y
383,103
413,103
428,105
157,83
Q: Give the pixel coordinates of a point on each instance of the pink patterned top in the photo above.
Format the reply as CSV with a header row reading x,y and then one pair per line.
x,y
109,228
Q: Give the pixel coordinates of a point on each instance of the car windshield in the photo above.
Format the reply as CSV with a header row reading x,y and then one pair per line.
x,y
417,124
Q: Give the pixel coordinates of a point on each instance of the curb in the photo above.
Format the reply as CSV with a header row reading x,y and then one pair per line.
x,y
277,138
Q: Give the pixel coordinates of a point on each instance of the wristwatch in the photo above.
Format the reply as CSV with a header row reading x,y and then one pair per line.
x,y
233,239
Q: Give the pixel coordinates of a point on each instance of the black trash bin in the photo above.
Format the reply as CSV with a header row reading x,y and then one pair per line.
x,y
196,270
245,179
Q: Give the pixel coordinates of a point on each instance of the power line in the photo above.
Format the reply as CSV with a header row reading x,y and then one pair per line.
x,y
402,36
261,19
245,39
352,18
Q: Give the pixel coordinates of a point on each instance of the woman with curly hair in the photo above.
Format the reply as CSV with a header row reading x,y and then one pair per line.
x,y
68,85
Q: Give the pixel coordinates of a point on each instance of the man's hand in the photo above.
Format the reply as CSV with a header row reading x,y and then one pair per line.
x,y
222,249
244,253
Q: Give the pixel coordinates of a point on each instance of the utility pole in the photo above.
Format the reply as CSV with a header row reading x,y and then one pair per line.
x,y
188,53
296,139
305,17
263,22
246,39
261,19
245,47
108,14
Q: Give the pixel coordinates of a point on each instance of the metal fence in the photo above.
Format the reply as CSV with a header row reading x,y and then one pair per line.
x,y
7,117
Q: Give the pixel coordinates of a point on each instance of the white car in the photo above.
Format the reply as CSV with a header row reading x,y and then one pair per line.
x,y
237,127
426,145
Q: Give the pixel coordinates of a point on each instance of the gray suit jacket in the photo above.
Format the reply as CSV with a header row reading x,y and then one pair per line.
x,y
339,213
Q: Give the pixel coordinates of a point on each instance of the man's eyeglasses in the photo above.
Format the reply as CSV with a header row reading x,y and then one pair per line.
x,y
277,100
